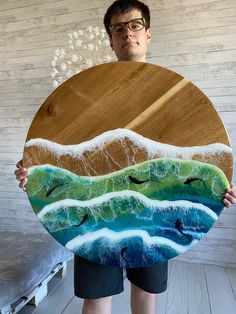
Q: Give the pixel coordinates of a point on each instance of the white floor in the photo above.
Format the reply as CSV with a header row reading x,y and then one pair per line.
x,y
192,289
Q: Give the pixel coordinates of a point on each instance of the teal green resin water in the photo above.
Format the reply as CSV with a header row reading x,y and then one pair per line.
x,y
159,179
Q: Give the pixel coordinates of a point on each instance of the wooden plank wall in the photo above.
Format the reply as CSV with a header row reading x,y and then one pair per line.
x,y
196,38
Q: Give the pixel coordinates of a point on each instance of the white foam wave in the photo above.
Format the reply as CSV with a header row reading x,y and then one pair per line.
x,y
127,194
117,236
152,147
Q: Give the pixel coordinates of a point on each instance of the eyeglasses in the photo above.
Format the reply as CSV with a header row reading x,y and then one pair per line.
x,y
134,25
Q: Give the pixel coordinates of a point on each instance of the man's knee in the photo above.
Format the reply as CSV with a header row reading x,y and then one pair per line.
x,y
142,293
99,306
98,301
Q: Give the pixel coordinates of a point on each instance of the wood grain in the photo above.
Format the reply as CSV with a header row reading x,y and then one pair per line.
x,y
181,28
155,102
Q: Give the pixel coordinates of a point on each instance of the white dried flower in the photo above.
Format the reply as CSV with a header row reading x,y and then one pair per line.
x,y
86,48
78,43
103,32
77,70
89,62
90,28
57,52
90,47
55,84
74,57
106,43
107,58
96,31
69,74
63,67
91,36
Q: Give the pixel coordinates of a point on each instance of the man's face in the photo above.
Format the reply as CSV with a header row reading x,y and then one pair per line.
x,y
130,45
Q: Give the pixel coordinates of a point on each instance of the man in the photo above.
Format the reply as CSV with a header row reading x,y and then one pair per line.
x,y
128,25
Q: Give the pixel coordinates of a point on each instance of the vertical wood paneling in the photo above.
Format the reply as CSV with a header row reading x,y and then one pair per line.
x,y
196,38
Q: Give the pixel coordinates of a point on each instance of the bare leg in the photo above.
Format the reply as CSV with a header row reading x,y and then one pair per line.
x,y
97,306
142,302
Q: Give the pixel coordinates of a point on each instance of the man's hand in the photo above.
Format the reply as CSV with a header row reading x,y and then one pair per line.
x,y
21,174
230,196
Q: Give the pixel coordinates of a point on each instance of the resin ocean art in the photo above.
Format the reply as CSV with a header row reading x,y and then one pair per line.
x,y
149,206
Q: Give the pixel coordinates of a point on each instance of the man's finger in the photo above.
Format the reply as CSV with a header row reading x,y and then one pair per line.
x,y
226,202
23,183
20,176
19,164
230,198
16,172
232,192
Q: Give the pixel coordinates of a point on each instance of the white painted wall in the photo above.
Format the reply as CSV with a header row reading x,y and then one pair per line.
x,y
196,38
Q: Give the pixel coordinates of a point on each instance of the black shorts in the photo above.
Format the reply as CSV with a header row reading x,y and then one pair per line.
x,y
93,281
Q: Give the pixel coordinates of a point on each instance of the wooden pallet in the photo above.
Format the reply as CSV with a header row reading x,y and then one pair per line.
x,y
38,294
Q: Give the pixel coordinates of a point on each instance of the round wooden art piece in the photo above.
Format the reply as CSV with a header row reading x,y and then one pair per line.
x,y
129,163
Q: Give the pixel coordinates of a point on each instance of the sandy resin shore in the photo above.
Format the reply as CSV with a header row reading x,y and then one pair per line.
x,y
118,149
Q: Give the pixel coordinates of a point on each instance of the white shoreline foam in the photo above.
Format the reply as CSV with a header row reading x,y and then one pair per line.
x,y
126,194
152,147
115,236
